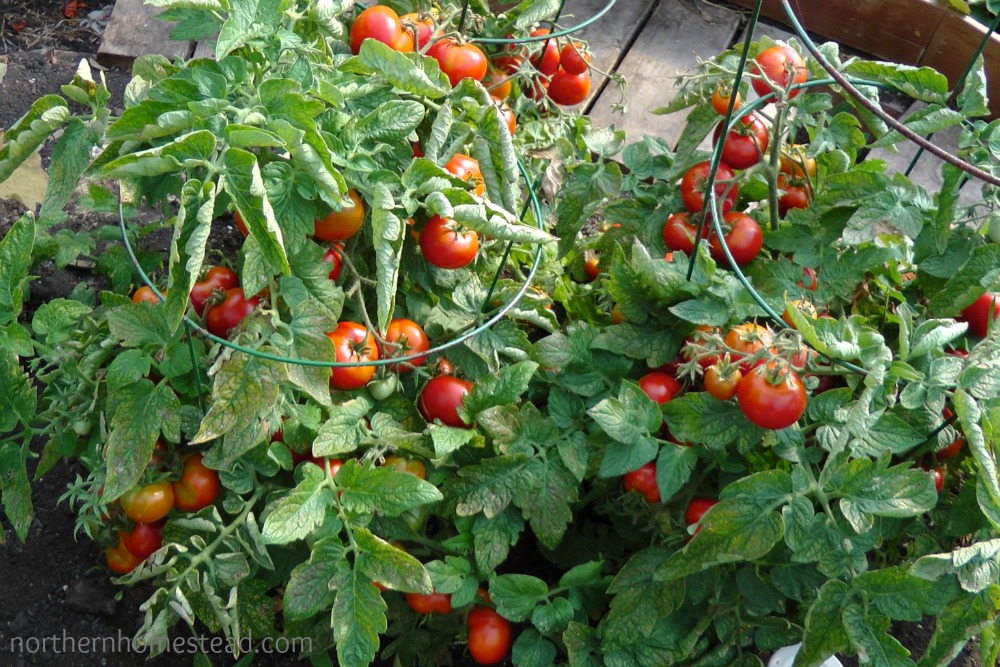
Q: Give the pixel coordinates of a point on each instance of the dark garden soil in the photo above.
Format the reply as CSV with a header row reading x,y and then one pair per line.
x,y
53,586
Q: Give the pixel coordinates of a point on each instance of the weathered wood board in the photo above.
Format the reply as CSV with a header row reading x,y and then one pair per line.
x,y
674,37
133,31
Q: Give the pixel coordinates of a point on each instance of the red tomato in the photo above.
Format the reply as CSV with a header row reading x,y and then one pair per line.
x,y
592,267
404,44
445,367
567,89
150,503
198,486
508,63
423,28
693,187
412,466
217,278
720,101
745,144
744,340
744,239
220,318
405,337
782,65
951,450
697,508
660,387
145,295
497,83
446,248
809,280
467,169
240,225
342,225
460,61
546,60
938,475
332,466
120,559
441,398
979,315
489,636
333,258
679,233
795,194
144,539
772,400
643,480
429,603
380,23
720,384
574,59
352,343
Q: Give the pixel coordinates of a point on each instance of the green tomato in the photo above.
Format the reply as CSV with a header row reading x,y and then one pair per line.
x,y
382,389
994,230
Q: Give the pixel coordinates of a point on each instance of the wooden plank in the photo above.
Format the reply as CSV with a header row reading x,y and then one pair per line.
x,y
671,42
133,31
896,30
204,49
952,46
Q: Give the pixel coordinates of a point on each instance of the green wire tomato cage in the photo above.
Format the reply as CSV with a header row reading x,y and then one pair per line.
x,y
531,202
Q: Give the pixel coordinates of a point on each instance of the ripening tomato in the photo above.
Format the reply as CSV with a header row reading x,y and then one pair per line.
x,y
951,450
405,337
745,144
772,398
198,486
592,268
150,503
217,278
220,318
744,239
120,559
720,100
508,116
795,194
497,84
460,61
333,258
679,233
429,603
809,280
489,636
938,476
445,247
445,367
794,162
412,466
332,466
144,539
697,508
981,313
693,187
508,63
341,225
145,294
352,342
567,89
660,387
643,480
378,22
745,340
422,28
720,383
574,59
782,66
546,61
441,398
467,169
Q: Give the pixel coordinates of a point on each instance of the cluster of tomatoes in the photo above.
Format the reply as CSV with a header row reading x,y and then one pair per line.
x,y
148,505
563,69
743,147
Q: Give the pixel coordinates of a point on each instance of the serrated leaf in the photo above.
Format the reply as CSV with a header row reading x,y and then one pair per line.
x,y
488,486
301,511
516,595
15,257
242,384
345,429
387,235
500,389
18,400
390,566
412,73
243,182
383,490
358,616
699,418
492,538
825,634
45,116
16,491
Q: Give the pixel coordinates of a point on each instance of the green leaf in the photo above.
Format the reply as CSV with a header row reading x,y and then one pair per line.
x,y
18,400
975,566
516,595
673,469
145,410
58,318
390,566
972,100
345,429
492,538
922,83
888,433
641,600
869,488
825,634
383,490
70,158
533,650
553,616
904,596
388,235
138,324
869,633
248,20
448,439
503,388
46,115
302,510
699,418
959,622
358,616
968,283
242,384
244,184
545,496
15,258
16,491
987,484
409,72
488,486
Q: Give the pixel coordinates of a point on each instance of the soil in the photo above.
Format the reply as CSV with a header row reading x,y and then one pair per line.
x,y
53,585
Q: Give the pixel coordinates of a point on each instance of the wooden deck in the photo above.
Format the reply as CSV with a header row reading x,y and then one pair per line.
x,y
650,42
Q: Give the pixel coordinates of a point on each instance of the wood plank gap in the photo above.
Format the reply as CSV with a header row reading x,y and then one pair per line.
x,y
622,54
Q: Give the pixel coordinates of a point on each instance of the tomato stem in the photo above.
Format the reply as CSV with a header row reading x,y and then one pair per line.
x,y
772,173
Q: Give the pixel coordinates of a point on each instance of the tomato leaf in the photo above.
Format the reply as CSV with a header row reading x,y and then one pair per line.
x,y
531,649
247,20
46,115
16,491
516,595
187,246
649,341
410,72
18,399
904,596
242,383
448,440
345,429
545,498
70,158
699,418
383,490
488,486
640,599
244,184
389,565
296,515
968,283
987,485
15,258
825,634
388,232
500,389
959,622
673,469
492,538
358,615
628,420
56,320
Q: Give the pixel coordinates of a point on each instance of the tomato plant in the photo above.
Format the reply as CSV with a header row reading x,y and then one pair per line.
x,y
333,258
567,89
776,68
377,22
460,61
744,239
745,341
745,144
217,278
405,337
660,387
145,295
546,61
